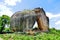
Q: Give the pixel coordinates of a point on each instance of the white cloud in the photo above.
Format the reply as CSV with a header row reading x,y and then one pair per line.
x,y
51,15
57,23
11,2
4,10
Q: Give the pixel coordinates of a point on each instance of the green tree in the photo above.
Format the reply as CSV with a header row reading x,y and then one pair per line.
x,y
3,21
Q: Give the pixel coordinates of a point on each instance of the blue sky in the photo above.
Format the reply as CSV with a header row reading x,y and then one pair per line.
x,y
51,7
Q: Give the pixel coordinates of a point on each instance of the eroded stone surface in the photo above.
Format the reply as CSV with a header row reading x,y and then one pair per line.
x,y
24,20
42,20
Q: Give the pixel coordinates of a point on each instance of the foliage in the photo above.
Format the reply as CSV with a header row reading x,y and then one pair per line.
x,y
41,36
7,30
4,19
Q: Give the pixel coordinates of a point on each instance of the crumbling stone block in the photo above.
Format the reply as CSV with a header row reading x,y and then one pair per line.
x,y
23,21
42,19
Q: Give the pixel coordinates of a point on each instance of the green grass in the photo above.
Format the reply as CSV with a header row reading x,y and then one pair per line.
x,y
52,35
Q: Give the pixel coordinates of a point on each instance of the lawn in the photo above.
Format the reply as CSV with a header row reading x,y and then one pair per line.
x,y
52,35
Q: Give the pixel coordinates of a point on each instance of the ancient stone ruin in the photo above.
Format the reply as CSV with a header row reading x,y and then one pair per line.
x,y
42,19
23,21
